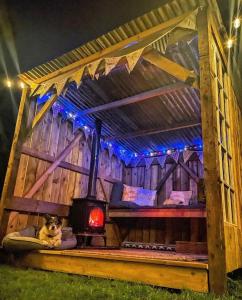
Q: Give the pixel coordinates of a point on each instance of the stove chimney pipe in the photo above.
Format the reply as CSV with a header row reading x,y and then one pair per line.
x,y
91,192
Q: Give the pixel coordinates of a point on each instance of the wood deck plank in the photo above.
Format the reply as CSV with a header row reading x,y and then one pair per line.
x,y
134,266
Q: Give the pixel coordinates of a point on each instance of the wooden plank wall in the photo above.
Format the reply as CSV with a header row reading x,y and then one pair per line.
x,y
179,180
50,137
169,230
165,231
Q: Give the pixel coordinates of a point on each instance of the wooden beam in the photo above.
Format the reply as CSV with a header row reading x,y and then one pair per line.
x,y
165,177
136,98
162,129
135,266
28,205
14,157
48,104
40,181
108,51
215,215
103,189
171,67
63,164
189,171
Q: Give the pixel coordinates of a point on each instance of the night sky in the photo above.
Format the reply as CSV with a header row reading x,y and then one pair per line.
x,y
33,32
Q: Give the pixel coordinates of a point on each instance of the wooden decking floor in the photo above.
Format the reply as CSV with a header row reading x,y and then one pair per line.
x,y
166,269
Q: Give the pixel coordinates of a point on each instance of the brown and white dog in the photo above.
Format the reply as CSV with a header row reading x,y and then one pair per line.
x,y
51,233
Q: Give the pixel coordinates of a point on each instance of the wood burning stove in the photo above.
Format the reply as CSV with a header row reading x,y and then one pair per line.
x,y
87,215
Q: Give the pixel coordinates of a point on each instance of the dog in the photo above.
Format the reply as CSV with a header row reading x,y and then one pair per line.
x,y
51,232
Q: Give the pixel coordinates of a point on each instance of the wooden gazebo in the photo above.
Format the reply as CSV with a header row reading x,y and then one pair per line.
x,y
162,88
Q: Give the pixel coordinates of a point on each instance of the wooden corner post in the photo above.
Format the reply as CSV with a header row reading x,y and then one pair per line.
x,y
13,161
215,218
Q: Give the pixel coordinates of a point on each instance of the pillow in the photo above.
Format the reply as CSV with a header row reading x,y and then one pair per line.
x,y
146,197
130,193
181,197
169,201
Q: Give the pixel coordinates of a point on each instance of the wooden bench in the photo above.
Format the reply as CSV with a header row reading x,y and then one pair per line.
x,y
158,213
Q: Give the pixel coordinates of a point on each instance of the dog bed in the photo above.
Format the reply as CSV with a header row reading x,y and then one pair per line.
x,y
25,240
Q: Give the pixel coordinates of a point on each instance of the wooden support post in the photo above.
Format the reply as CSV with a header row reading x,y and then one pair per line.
x,y
53,166
14,157
215,218
171,67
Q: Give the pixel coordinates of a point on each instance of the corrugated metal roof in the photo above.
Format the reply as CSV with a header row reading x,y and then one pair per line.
x,y
175,107
166,12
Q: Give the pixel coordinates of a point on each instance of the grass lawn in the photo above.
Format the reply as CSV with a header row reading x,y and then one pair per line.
x,y
27,284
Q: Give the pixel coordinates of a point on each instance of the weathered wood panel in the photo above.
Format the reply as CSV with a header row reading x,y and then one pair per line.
x,y
49,137
179,180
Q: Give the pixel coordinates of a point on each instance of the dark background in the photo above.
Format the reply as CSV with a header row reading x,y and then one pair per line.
x,y
33,32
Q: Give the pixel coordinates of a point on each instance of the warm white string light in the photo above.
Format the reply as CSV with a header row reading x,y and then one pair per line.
x,y
229,43
237,22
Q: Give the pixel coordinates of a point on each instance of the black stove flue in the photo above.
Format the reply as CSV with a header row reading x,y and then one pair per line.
x,y
87,215
91,191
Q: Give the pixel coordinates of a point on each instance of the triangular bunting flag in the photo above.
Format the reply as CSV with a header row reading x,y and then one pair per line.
x,y
110,63
56,109
33,88
102,145
43,89
87,131
110,152
59,86
92,68
187,154
200,156
175,155
148,162
77,76
133,58
127,159
97,76
135,161
162,160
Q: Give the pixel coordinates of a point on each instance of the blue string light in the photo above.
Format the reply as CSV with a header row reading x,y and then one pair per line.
x,y
118,150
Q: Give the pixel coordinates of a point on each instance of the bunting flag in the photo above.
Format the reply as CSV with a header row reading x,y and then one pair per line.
x,y
127,160
148,162
97,76
56,109
102,145
60,86
200,156
87,132
133,58
187,154
33,88
77,76
43,89
175,155
110,152
110,63
92,68
162,160
135,161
